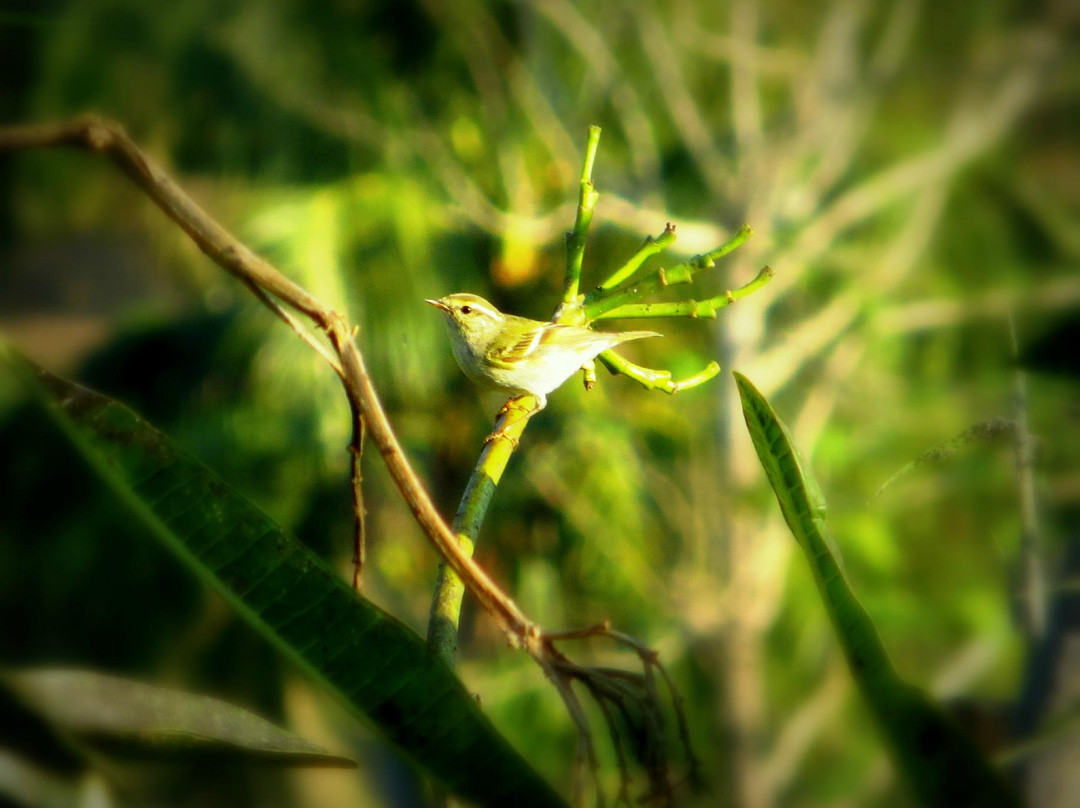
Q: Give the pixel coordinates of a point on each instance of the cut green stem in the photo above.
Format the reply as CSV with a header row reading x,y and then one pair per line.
x,y
575,239
651,247
653,379
687,308
599,302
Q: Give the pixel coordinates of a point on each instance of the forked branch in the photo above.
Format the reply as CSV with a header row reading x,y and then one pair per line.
x,y
333,338
271,287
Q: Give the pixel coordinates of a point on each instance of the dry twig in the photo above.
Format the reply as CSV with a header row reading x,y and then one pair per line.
x,y
276,291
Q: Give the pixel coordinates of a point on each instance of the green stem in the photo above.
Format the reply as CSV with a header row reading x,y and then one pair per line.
x,y
598,303
684,308
651,247
445,611
575,239
652,379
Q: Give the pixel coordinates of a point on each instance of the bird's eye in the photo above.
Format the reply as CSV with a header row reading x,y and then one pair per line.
x,y
466,309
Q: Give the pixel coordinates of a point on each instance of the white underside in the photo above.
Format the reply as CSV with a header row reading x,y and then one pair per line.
x,y
538,378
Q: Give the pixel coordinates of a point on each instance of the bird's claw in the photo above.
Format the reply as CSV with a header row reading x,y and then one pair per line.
x,y
501,434
588,372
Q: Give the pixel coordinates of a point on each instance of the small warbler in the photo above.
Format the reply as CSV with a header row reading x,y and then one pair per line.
x,y
520,356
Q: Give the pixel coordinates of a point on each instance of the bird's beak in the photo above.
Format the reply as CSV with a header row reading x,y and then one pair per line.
x,y
438,304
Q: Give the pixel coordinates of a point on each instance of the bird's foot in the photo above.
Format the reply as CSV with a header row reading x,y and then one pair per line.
x,y
588,371
506,417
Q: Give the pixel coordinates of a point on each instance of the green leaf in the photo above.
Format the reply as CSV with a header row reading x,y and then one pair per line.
x,y
939,761
377,667
144,721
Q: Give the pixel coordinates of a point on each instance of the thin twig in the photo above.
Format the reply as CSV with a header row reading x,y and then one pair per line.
x,y
356,454
653,379
623,797
586,749
296,326
96,135
368,417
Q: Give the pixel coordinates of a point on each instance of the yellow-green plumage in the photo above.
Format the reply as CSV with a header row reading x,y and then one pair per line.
x,y
517,355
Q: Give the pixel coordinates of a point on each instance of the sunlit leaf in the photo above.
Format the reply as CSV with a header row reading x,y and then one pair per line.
x,y
378,668
940,762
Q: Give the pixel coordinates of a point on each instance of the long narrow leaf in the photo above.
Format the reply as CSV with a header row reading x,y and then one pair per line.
x,y
375,665
940,762
138,720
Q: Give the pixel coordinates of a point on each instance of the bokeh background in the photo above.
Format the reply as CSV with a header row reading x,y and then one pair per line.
x,y
911,172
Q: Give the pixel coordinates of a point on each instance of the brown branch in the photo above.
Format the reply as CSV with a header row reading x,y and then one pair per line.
x,y
97,135
356,454
109,138
271,287
296,326
362,393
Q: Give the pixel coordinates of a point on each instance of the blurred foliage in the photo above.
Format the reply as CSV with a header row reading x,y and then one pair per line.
x,y
911,171
940,762
68,708
375,666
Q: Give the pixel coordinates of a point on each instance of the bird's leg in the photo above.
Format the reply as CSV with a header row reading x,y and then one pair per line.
x,y
528,412
505,414
588,371
506,407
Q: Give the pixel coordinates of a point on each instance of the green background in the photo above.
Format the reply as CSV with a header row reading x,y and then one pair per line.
x,y
911,173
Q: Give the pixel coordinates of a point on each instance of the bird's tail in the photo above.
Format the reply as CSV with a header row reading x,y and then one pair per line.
x,y
627,336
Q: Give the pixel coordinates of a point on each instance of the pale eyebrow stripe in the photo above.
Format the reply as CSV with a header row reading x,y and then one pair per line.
x,y
480,307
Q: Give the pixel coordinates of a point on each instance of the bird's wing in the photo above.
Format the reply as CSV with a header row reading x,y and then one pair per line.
x,y
568,337
510,354
534,340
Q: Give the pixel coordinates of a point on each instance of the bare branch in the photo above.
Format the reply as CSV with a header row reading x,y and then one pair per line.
x,y
96,135
368,417
296,326
356,454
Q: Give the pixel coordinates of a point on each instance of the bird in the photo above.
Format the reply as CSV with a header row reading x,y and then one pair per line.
x,y
519,356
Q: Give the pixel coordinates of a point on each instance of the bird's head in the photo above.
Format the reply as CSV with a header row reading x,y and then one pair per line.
x,y
473,318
